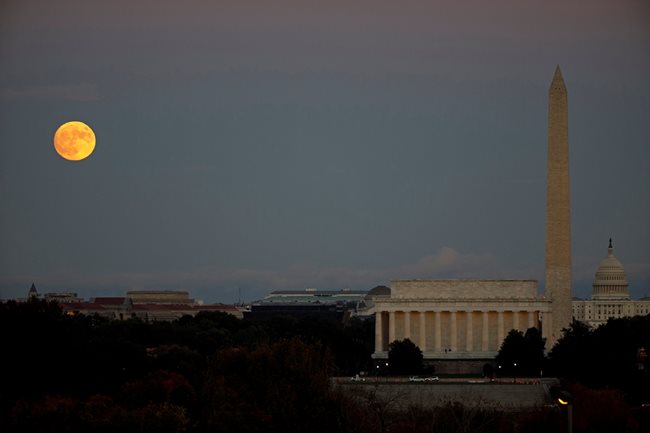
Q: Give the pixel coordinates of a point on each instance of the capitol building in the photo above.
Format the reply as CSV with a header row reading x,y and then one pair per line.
x,y
610,297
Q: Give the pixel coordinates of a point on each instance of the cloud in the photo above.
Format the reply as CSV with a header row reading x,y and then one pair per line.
x,y
84,92
449,263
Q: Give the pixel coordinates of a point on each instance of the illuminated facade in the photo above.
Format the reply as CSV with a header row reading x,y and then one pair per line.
x,y
610,296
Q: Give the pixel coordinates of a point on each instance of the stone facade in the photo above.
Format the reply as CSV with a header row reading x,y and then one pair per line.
x,y
463,289
558,210
597,312
610,297
457,319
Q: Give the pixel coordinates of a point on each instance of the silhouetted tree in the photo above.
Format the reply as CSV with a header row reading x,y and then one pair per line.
x,y
606,356
569,356
404,357
521,354
534,360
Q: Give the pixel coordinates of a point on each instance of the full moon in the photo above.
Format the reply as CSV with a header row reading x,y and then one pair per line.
x,y
74,141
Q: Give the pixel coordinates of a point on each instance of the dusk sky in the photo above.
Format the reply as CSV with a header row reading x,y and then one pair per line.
x,y
262,145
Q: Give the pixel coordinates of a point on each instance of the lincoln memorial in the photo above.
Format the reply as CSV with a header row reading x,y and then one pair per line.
x,y
458,319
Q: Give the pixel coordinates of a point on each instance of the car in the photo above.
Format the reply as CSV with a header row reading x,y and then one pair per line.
x,y
416,379
358,378
424,379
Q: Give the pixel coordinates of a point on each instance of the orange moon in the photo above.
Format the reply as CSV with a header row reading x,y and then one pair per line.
x,y
74,141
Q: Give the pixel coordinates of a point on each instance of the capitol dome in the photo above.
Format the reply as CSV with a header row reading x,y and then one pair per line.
x,y
610,281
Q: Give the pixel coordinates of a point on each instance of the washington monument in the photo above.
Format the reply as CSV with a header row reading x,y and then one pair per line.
x,y
558,211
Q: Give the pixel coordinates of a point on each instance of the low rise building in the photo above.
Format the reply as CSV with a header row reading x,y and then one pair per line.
x,y
329,304
160,297
154,305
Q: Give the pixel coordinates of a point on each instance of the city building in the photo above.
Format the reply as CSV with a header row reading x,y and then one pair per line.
x,y
60,297
159,297
610,295
124,308
457,319
329,304
344,297
148,305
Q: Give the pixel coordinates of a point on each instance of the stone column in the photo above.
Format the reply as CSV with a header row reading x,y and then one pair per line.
x,y
531,319
407,324
379,332
485,343
469,344
391,327
515,320
437,332
454,335
423,331
499,329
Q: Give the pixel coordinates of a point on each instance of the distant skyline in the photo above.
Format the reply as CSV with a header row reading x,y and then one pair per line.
x,y
244,144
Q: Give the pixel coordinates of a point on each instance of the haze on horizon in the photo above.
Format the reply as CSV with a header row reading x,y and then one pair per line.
x,y
242,144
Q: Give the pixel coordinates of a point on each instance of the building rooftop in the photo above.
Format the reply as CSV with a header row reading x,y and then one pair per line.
x,y
314,296
109,300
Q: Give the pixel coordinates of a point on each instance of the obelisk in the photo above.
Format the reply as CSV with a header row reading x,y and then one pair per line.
x,y
558,213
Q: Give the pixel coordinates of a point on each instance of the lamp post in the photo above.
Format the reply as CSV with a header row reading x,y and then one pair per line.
x,y
566,399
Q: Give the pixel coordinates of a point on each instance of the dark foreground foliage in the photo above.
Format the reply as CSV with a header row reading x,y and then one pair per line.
x,y
600,411
212,370
606,357
214,373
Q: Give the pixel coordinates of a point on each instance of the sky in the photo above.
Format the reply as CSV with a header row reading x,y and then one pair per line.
x,y
246,145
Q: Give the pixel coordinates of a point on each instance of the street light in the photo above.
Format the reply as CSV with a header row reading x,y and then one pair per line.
x,y
569,410
565,399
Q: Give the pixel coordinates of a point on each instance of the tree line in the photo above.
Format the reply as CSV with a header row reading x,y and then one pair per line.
x,y
204,373
216,373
